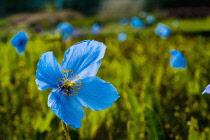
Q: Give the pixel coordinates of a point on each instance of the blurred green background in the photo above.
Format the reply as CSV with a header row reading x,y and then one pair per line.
x,y
157,102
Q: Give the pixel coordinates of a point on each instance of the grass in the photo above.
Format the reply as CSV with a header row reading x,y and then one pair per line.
x,y
157,101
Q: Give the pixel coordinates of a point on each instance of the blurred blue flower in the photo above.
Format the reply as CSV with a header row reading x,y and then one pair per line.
x,y
175,23
150,19
177,59
74,84
162,30
122,37
19,41
75,32
143,14
136,22
38,29
207,90
124,21
95,28
65,30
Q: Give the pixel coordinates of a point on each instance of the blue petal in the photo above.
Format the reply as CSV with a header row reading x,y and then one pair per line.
x,y
66,108
66,30
124,21
48,71
177,59
136,22
96,94
150,19
162,30
207,90
84,58
19,41
95,29
122,37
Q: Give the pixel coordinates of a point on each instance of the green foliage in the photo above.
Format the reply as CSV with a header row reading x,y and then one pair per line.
x,y
193,130
157,102
155,130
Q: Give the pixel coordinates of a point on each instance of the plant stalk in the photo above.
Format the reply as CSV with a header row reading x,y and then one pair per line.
x,y
65,129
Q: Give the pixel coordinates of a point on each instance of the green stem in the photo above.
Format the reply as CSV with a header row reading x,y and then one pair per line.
x,y
65,129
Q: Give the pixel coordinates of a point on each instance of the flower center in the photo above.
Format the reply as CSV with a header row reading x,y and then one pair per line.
x,y
21,42
69,84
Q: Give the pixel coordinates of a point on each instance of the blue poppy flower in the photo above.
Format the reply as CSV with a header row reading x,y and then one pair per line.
x,y
75,32
95,28
175,23
150,19
38,29
122,37
74,84
177,59
143,14
19,41
65,30
162,30
124,21
207,90
136,22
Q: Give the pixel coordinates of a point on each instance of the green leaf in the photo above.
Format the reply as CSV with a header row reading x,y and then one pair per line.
x,y
154,128
46,122
193,130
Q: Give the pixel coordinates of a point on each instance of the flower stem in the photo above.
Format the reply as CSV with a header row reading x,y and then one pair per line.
x,y
65,129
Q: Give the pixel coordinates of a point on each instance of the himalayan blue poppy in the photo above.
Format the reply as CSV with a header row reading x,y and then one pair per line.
x,y
124,21
122,37
75,32
74,83
177,59
136,22
95,28
65,30
162,30
19,41
150,19
207,90
38,29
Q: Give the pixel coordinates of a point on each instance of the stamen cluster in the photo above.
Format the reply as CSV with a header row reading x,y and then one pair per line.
x,y
70,83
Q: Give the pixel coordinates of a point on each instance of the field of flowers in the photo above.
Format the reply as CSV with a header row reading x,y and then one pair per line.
x,y
156,101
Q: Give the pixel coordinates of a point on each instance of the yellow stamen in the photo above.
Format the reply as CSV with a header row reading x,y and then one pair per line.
x,y
67,84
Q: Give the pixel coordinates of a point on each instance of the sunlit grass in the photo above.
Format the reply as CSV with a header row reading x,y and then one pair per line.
x,y
157,102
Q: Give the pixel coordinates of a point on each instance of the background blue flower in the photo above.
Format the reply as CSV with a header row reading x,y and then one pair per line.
x,y
150,19
207,89
95,28
143,14
124,21
122,37
162,30
136,22
74,84
65,30
19,41
75,32
177,59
